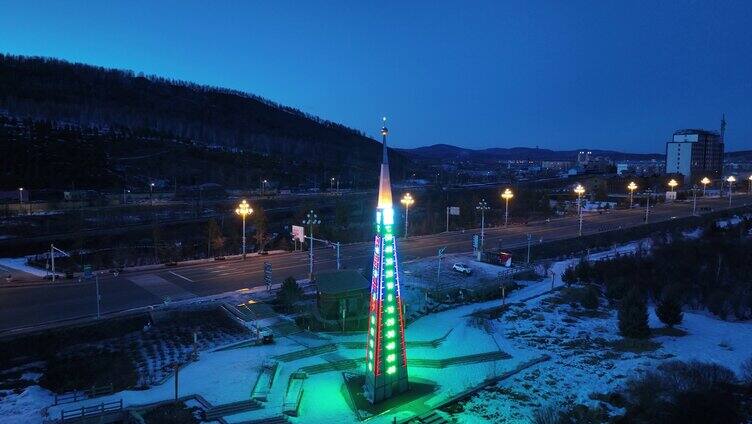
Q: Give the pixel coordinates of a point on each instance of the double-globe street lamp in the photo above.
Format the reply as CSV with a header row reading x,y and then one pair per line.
x,y
579,190
482,207
311,220
506,195
731,180
631,187
704,181
672,184
408,201
243,209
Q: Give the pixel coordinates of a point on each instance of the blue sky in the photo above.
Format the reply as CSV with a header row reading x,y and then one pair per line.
x,y
554,74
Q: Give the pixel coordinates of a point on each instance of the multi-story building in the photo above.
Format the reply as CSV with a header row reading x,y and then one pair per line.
x,y
696,153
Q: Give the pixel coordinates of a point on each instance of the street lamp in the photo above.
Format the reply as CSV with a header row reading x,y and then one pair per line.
x,y
632,187
151,193
672,183
506,195
407,200
311,220
20,199
750,184
704,181
243,209
482,207
731,180
579,190
647,204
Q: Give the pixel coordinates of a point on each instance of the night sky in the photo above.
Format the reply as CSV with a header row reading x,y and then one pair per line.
x,y
559,74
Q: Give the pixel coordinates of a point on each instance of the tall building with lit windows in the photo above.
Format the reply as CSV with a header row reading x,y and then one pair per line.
x,y
696,153
386,358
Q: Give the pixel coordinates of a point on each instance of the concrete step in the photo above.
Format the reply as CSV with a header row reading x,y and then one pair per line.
x,y
232,408
306,353
280,419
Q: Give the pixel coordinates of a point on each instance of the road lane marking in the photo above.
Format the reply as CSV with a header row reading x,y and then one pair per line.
x,y
181,276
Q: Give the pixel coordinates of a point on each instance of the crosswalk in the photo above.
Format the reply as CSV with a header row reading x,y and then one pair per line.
x,y
161,288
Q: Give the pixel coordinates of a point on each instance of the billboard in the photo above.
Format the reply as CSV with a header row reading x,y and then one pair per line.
x,y
298,233
454,210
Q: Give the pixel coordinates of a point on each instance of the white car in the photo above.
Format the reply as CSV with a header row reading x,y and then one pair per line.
x,y
464,269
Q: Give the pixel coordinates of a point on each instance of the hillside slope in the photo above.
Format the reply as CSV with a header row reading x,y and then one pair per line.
x,y
59,92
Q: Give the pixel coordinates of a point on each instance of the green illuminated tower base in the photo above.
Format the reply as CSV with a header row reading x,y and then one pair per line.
x,y
386,358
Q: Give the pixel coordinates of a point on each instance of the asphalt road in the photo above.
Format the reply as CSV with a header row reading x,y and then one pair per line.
x,y
39,304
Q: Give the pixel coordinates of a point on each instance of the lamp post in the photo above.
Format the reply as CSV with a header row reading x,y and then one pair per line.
x,y
731,180
263,187
331,184
506,195
647,204
482,207
311,220
243,209
694,200
20,199
672,184
407,200
750,185
704,181
632,187
579,190
151,193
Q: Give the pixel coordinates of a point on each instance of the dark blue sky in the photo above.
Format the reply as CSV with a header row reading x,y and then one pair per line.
x,y
559,74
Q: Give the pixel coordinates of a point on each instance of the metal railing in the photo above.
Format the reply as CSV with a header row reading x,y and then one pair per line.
x,y
76,395
91,411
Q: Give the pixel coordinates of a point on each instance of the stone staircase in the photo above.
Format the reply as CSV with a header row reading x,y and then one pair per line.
x,y
345,364
219,411
495,355
430,418
306,353
279,419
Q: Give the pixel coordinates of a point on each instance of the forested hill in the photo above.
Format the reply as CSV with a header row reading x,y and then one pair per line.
x,y
66,93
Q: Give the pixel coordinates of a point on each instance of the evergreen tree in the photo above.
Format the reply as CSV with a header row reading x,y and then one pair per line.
x,y
633,315
289,293
569,277
669,311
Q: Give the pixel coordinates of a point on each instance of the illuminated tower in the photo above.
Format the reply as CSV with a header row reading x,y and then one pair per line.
x,y
386,360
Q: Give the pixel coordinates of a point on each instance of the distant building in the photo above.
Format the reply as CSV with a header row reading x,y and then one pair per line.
x,y
624,168
583,158
556,164
696,153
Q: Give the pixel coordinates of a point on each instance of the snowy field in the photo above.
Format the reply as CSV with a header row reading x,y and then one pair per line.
x,y
586,357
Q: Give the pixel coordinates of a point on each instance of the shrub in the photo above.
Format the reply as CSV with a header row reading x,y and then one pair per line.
x,y
569,277
171,414
633,316
669,311
746,375
678,392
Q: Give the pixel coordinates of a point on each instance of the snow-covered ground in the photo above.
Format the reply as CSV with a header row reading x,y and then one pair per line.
x,y
586,359
19,264
583,345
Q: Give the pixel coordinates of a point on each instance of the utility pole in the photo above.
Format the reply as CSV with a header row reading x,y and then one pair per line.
x,y
482,207
311,220
447,219
529,238
438,270
96,278
338,263
694,200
